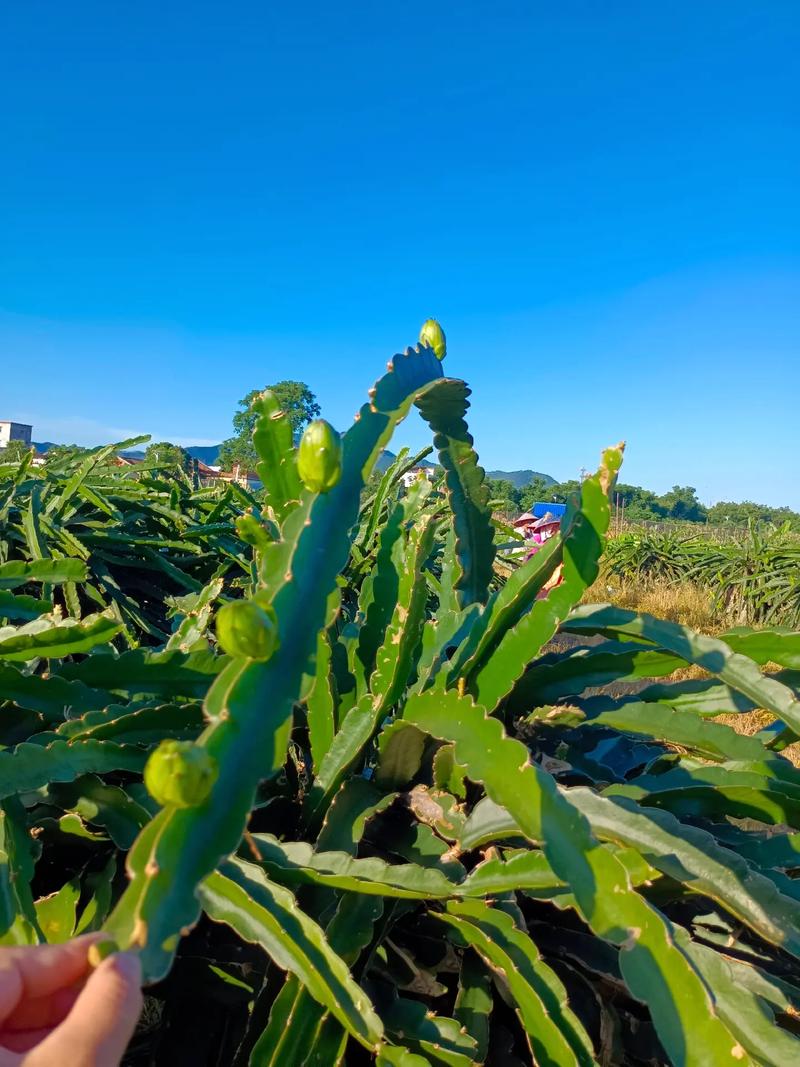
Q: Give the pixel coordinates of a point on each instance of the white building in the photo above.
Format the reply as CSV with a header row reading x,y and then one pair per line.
x,y
14,431
416,473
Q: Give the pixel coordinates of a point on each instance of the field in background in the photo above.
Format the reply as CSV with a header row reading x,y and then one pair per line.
x,y
752,580
690,605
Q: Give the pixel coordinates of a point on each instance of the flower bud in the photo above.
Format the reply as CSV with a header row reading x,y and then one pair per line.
x,y
253,532
245,628
319,457
433,336
180,774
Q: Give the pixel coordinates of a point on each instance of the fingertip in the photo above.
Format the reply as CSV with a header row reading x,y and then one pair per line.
x,y
105,1014
127,966
43,969
119,976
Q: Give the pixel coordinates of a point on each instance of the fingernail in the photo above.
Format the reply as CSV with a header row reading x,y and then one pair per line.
x,y
128,966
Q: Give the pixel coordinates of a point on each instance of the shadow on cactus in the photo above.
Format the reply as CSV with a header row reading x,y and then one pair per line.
x,y
367,788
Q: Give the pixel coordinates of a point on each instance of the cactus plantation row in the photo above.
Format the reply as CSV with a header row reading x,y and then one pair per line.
x,y
753,579
355,793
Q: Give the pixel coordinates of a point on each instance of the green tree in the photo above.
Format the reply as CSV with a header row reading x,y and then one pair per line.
x,y
728,513
681,504
297,401
504,497
165,454
14,452
639,505
535,491
561,492
58,452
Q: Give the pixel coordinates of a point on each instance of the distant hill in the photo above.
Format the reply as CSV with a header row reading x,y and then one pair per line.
x,y
519,479
387,458
209,454
205,453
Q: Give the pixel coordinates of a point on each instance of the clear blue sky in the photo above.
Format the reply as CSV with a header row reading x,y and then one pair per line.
x,y
598,200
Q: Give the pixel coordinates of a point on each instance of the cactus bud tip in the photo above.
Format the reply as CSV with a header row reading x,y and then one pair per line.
x,y
319,457
100,950
433,336
180,774
247,629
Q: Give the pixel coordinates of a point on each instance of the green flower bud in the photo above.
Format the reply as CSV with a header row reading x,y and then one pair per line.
x,y
180,774
319,457
433,336
245,628
253,532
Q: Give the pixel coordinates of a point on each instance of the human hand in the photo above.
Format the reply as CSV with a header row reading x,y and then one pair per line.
x,y
52,1015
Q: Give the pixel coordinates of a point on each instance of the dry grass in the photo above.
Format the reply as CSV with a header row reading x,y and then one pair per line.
x,y
687,603
750,722
690,605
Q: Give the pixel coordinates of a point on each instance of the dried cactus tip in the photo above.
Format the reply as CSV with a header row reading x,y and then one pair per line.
x,y
100,950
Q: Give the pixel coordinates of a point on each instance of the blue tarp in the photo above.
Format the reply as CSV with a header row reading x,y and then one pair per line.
x,y
540,509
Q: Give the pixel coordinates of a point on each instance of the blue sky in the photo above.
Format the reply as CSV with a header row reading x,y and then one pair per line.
x,y
598,200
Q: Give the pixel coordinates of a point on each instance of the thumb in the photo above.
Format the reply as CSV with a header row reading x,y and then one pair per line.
x,y
97,1030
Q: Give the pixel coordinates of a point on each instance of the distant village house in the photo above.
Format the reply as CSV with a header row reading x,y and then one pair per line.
x,y
208,475
14,431
416,473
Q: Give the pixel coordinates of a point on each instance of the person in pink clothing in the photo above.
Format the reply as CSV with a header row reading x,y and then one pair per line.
x,y
540,532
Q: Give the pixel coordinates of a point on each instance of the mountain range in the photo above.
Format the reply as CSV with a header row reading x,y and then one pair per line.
x,y
519,479
209,454
205,453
